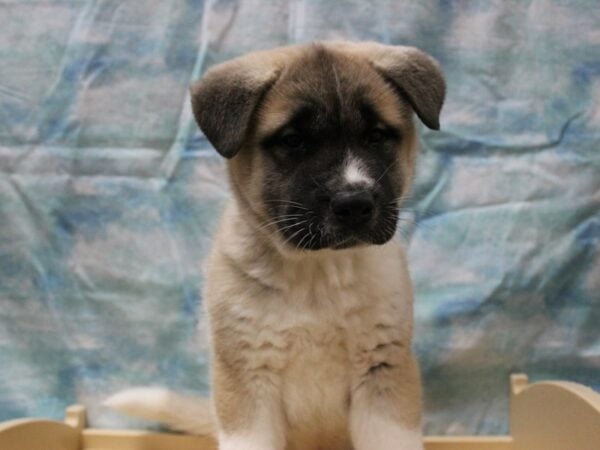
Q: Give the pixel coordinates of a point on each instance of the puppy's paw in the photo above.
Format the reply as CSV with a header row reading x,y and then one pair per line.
x,y
245,442
374,432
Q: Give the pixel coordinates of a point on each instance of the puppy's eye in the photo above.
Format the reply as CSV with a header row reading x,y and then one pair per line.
x,y
292,141
375,136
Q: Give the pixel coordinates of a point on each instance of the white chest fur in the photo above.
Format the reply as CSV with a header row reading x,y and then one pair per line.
x,y
307,325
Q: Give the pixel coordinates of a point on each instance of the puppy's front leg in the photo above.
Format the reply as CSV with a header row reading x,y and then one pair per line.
x,y
249,414
386,403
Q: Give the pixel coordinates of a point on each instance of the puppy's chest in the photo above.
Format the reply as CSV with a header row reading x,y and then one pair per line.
x,y
312,341
315,383
324,338
315,375
324,325
319,337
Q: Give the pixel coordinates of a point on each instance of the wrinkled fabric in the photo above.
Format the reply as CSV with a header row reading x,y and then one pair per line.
x,y
109,194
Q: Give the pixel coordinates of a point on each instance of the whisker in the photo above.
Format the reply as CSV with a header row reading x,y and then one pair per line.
x,y
283,216
287,227
310,233
279,219
286,202
342,242
311,240
292,236
300,246
320,230
384,172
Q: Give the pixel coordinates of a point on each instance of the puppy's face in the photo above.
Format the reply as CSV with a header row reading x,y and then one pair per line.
x,y
335,143
328,150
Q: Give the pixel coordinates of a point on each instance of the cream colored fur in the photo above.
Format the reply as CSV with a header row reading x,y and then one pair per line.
x,y
178,412
311,350
305,328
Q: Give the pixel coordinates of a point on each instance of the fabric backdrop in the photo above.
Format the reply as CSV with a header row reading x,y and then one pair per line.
x,y
109,193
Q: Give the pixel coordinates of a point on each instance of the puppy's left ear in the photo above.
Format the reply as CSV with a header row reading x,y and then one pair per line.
x,y
226,98
414,74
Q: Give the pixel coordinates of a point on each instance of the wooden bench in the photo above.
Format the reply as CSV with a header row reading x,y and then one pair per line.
x,y
553,415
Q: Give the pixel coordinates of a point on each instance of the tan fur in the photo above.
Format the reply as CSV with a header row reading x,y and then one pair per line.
x,y
311,349
299,336
308,344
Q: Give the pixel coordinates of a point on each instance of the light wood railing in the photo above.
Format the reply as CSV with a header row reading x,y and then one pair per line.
x,y
553,415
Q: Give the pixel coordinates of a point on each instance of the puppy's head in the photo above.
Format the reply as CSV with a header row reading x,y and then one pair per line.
x,y
320,139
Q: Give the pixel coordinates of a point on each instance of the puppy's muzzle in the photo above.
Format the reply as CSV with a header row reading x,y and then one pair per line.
x,y
353,209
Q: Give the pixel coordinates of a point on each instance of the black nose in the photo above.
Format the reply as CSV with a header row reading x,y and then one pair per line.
x,y
353,208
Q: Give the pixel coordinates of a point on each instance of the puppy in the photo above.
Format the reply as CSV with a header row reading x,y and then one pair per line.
x,y
308,297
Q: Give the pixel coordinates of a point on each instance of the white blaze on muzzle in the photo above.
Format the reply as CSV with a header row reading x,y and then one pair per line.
x,y
355,173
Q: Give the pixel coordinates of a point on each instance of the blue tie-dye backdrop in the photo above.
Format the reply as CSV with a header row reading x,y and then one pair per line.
x,y
108,193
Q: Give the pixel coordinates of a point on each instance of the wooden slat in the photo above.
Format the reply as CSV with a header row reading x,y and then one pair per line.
x,y
468,443
544,416
36,434
96,439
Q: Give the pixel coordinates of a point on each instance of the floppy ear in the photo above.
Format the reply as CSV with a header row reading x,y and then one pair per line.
x,y
414,74
226,98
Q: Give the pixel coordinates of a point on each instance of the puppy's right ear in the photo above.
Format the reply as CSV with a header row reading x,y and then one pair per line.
x,y
226,98
415,75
